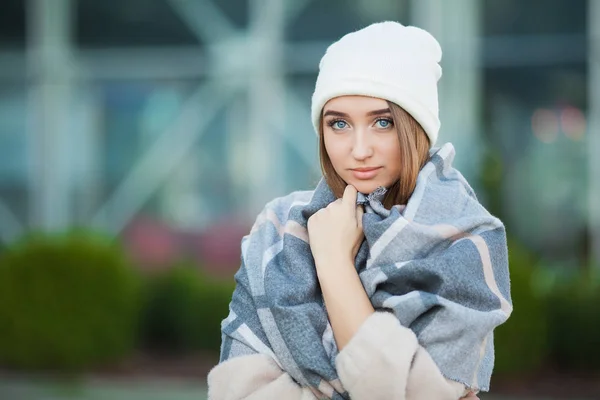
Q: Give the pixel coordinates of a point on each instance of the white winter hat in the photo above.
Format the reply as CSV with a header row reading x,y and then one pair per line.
x,y
386,60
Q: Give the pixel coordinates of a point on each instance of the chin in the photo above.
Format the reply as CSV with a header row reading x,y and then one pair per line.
x,y
367,186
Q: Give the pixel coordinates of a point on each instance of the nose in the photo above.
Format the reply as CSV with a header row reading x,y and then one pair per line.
x,y
362,147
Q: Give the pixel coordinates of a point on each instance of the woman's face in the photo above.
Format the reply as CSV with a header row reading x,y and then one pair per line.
x,y
361,141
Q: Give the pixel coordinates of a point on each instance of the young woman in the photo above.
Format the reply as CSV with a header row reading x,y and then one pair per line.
x,y
388,279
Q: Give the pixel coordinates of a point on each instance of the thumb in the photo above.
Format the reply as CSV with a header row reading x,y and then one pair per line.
x,y
349,197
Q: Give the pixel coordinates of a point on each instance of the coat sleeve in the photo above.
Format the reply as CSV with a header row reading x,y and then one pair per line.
x,y
253,377
385,361
382,361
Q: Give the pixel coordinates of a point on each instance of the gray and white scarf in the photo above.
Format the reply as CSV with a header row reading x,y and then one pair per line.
x,y
440,264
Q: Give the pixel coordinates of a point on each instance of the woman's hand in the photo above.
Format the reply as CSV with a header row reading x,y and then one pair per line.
x,y
471,396
335,232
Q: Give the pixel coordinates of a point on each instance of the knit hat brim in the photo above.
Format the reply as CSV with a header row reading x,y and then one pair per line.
x,y
365,87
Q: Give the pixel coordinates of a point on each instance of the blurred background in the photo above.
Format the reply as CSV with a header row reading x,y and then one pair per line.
x,y
140,138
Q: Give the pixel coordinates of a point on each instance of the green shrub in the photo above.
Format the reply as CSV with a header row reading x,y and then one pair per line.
x,y
66,302
184,310
575,323
521,344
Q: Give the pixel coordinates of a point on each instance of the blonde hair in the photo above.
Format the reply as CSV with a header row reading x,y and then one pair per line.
x,y
414,153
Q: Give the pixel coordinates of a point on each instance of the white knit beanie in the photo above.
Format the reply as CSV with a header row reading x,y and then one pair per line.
x,y
386,60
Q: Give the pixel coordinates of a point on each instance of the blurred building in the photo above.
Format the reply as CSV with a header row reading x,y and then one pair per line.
x,y
195,112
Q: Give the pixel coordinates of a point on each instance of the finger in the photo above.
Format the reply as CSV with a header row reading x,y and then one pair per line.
x,y
349,198
334,204
359,215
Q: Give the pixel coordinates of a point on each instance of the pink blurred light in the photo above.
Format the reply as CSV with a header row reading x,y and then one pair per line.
x,y
545,125
573,123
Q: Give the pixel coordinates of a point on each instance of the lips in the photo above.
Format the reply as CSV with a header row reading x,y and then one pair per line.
x,y
365,173
365,169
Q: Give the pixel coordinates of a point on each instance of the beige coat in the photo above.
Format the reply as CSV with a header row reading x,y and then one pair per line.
x,y
382,361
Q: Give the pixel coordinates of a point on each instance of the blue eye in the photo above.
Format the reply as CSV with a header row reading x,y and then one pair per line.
x,y
384,123
338,124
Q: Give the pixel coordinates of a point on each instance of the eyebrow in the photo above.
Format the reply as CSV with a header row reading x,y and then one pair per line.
x,y
369,114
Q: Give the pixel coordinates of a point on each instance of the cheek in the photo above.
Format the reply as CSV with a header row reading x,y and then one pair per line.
x,y
335,149
391,155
